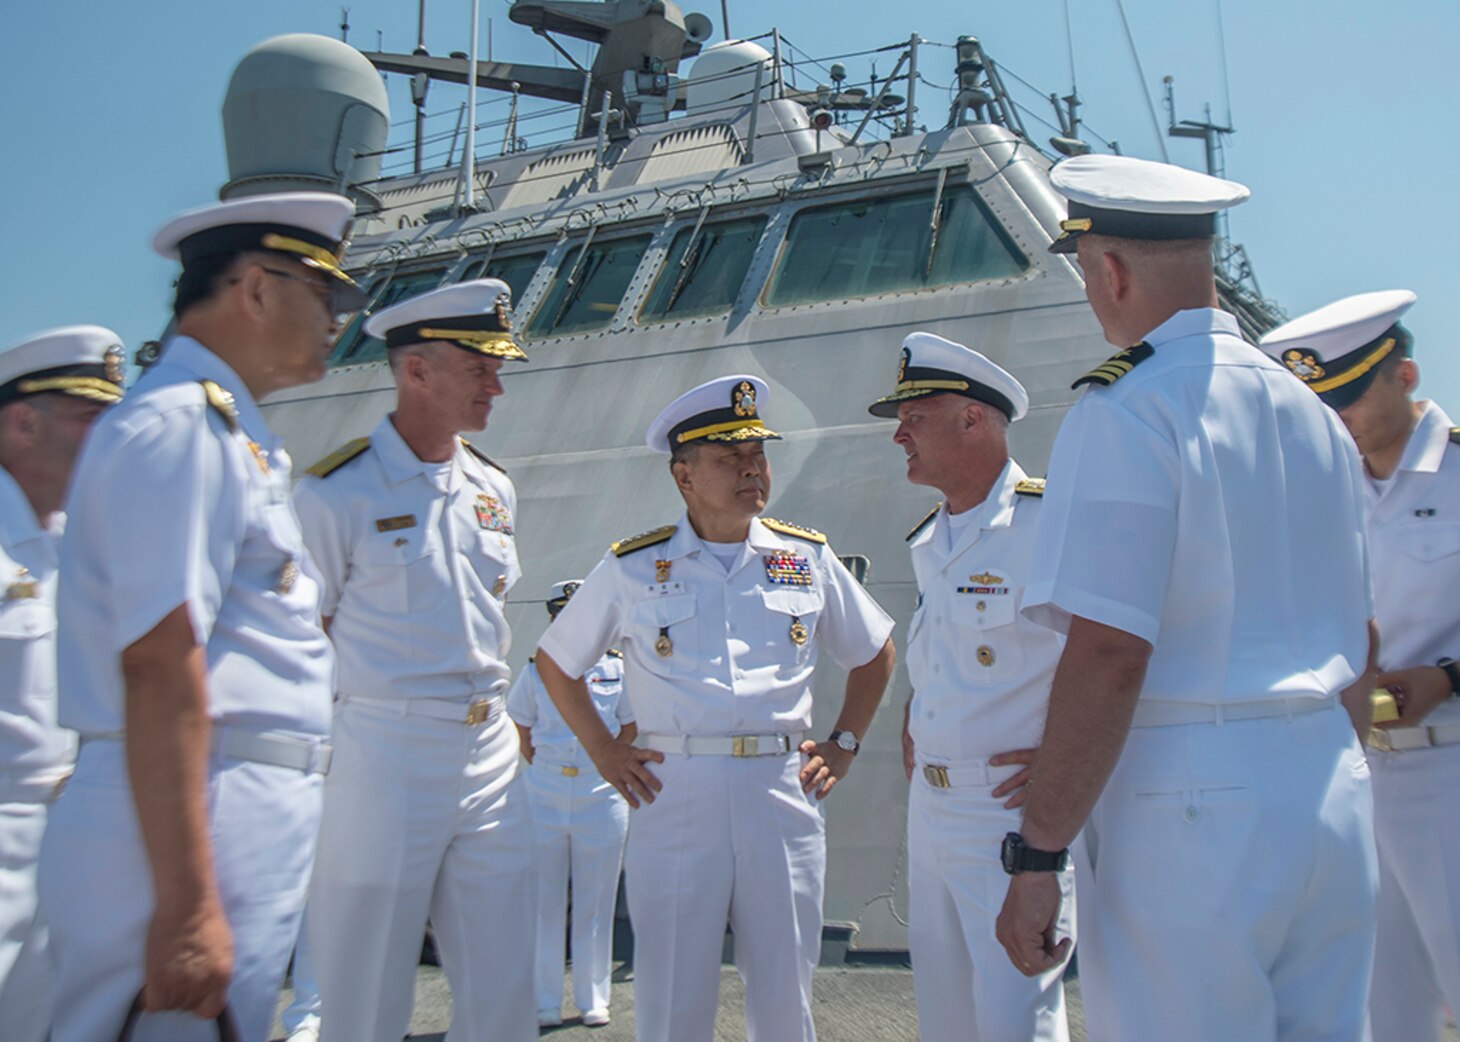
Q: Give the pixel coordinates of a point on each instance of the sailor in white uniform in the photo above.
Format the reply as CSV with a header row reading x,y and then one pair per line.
x,y
52,386
581,823
1357,356
721,618
980,673
1201,544
414,530
191,660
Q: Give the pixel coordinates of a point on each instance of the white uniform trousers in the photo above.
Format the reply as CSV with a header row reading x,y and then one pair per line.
x,y
25,973
303,1009
581,823
1227,878
967,989
1417,948
423,818
734,838
96,892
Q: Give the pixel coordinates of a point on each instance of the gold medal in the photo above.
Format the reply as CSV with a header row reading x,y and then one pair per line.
x,y
288,576
500,586
798,632
661,571
664,647
985,655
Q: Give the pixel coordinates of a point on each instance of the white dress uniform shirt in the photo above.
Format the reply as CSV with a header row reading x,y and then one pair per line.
x,y
172,504
980,674
417,561
424,814
1414,540
35,754
581,823
1208,503
725,837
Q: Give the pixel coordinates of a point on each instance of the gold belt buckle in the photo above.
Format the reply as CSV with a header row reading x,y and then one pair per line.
x,y
1379,739
570,771
936,775
479,712
744,745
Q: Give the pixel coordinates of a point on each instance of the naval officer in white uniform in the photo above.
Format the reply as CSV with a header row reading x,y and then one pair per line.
x,y
1356,355
581,823
191,660
1201,544
721,618
980,673
52,386
414,530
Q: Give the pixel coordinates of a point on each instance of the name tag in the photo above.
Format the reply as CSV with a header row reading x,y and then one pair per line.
x,y
395,524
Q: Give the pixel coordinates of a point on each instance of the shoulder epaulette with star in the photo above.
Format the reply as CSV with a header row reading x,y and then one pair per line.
x,y
222,403
639,542
924,523
337,459
1116,366
479,454
1455,435
1029,487
811,535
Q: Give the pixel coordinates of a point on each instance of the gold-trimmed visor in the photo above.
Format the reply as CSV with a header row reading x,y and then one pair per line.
x,y
92,387
733,430
486,342
1365,364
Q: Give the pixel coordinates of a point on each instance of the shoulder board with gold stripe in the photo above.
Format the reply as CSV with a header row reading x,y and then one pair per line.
x,y
1030,487
811,535
337,459
615,653
924,523
1455,435
1116,366
639,542
479,454
222,403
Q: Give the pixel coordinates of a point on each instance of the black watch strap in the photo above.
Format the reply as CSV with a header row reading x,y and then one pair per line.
x,y
1452,670
1017,857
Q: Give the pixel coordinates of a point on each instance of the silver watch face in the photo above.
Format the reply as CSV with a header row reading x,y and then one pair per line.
x,y
846,741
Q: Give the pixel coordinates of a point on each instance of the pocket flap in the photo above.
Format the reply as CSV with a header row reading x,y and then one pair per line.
x,y
790,600
665,611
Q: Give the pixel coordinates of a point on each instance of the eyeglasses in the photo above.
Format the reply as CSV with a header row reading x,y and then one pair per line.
x,y
323,290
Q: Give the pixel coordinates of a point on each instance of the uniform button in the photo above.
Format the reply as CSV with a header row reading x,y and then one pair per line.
x,y
938,619
981,605
937,668
1192,813
985,655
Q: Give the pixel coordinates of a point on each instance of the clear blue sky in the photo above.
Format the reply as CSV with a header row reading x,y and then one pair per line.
x,y
111,124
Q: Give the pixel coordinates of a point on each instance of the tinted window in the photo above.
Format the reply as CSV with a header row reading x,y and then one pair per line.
x,y
882,246
598,285
354,347
516,271
703,273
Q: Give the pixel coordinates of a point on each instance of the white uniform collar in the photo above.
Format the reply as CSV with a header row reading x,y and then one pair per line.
x,y
191,356
996,511
1193,322
685,541
17,516
1426,446
401,463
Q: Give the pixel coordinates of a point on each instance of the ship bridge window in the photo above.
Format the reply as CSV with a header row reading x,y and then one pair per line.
x,y
704,270
887,245
355,348
587,287
516,271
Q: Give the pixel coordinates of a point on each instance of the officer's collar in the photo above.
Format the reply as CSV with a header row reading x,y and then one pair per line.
x,y
1193,322
685,540
401,463
193,357
17,516
1425,449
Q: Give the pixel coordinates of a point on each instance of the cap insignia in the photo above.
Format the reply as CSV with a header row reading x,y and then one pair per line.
x,y
1303,365
113,363
504,316
743,399
902,365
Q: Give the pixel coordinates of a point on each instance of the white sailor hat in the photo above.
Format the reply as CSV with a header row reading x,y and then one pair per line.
x,y
473,316
1137,199
723,410
560,593
310,227
1336,349
82,361
931,365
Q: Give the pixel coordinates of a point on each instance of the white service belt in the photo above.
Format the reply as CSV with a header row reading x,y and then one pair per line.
x,y
1174,714
1400,739
966,774
738,745
32,786
472,713
290,749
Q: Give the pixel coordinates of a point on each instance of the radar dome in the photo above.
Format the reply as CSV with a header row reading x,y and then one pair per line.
x,y
304,113
723,77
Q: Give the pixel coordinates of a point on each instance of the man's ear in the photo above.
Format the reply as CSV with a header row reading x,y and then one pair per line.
x,y
679,470
247,289
1116,273
1409,375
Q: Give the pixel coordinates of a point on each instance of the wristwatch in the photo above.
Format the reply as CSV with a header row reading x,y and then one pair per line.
x,y
1017,857
846,740
1452,670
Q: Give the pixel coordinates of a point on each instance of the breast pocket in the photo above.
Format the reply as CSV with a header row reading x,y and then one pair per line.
x,y
1430,542
404,569
493,556
23,614
789,624
667,632
988,636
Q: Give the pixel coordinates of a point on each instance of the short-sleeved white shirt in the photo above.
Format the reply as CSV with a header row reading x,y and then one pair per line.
x,y
416,578
529,704
1210,504
980,671
734,668
170,507
1414,546
30,741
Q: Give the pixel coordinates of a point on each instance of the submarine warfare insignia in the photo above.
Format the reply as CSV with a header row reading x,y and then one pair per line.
x,y
798,631
785,569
